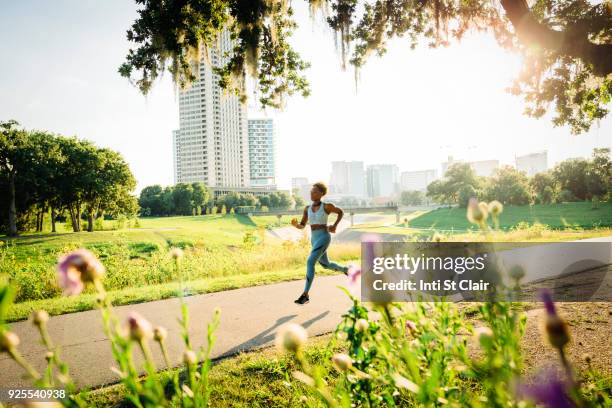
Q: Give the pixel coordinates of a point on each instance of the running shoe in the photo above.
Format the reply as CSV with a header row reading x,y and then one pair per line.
x,y
302,299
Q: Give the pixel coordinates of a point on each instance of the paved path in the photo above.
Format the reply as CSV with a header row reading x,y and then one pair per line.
x,y
250,318
343,231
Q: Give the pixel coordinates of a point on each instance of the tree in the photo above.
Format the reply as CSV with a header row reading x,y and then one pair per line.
x,y
543,186
459,178
413,197
14,159
599,173
509,186
41,171
571,176
200,196
108,185
182,194
567,44
151,201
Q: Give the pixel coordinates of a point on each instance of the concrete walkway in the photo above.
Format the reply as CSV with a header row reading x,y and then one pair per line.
x,y
250,318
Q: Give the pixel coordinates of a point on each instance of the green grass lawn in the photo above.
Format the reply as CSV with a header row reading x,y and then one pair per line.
x,y
556,216
138,267
87,301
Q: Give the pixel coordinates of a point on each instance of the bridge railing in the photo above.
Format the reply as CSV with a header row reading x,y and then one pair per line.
x,y
347,211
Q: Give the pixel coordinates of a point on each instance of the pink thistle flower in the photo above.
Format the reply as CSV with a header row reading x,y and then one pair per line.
x,y
139,327
76,269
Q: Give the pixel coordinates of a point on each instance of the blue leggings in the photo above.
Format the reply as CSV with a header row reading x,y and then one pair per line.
x,y
320,240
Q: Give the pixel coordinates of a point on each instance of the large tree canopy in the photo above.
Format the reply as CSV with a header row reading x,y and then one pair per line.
x,y
567,44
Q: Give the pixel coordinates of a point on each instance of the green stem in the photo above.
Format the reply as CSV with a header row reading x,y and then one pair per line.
x,y
23,363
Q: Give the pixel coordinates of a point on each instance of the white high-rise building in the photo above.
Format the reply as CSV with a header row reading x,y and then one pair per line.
x,y
383,180
347,179
417,180
484,168
532,163
262,154
212,143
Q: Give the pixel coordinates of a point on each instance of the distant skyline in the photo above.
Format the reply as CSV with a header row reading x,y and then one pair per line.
x,y
410,108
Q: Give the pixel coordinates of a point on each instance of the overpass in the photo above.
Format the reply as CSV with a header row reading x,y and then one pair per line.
x,y
350,211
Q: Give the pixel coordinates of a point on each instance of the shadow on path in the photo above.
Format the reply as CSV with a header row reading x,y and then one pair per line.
x,y
268,335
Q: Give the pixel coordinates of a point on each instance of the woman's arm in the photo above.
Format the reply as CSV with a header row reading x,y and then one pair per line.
x,y
330,208
302,223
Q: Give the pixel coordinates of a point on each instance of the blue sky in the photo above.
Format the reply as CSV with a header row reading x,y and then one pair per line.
x,y
411,108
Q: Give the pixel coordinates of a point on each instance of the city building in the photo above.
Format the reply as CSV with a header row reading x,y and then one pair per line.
x,y
484,168
383,180
532,163
450,161
347,179
303,187
175,141
417,180
211,144
262,154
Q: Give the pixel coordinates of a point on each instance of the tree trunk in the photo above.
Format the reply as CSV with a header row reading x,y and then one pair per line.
x,y
78,216
53,219
12,216
74,218
90,221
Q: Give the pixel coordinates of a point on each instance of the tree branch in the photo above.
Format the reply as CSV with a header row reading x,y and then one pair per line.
x,y
570,42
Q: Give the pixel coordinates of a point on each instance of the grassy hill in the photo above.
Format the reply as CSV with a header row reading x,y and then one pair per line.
x,y
556,216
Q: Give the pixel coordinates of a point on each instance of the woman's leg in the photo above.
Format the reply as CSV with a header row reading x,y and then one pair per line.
x,y
320,242
327,264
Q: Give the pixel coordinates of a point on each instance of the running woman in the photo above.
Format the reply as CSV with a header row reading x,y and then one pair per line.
x,y
320,238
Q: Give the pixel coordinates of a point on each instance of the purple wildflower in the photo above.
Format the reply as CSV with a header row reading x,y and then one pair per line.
x,y
549,391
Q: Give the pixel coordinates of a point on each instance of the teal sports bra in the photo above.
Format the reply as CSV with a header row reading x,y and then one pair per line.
x,y
319,216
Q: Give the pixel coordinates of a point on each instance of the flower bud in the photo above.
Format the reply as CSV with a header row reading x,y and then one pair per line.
x,y
496,208
411,326
160,333
517,272
49,355
40,317
342,362
190,357
483,333
557,332
291,337
477,212
8,341
362,325
176,253
139,327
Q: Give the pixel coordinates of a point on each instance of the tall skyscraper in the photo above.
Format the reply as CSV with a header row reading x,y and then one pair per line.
x,y
532,163
212,144
383,180
417,180
347,179
262,154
